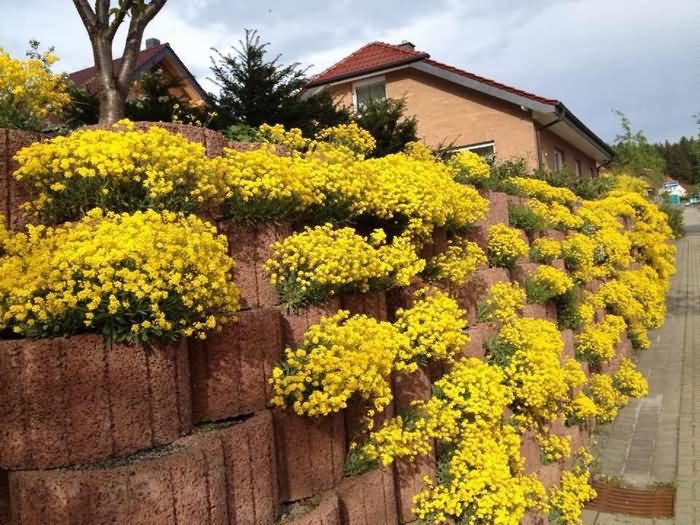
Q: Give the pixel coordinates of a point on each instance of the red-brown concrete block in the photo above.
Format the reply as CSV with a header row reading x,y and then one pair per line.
x,y
368,499
534,518
530,451
479,335
250,247
559,264
498,209
555,235
310,453
12,192
220,477
569,343
522,271
327,512
410,473
593,285
550,474
4,498
372,304
437,244
69,401
295,324
402,297
356,414
481,280
230,369
250,469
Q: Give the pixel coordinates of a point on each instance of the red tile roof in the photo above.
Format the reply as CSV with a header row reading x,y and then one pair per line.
x,y
376,56
84,76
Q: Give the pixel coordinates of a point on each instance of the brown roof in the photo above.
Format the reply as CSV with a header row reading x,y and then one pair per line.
x,y
371,57
376,56
84,76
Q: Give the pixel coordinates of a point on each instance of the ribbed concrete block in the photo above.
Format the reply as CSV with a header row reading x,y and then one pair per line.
x,y
368,499
67,401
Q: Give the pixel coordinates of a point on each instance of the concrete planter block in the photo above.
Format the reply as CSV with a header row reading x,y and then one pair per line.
x,y
12,193
479,334
310,453
372,304
250,247
368,499
230,369
217,477
67,401
327,512
295,324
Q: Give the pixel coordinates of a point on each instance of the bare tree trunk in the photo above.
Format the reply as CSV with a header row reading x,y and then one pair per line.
x,y
102,24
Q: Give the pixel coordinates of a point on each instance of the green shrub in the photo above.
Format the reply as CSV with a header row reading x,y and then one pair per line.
x,y
522,217
674,216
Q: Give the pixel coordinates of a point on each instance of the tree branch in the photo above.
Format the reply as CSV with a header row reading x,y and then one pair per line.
x,y
134,35
102,12
119,18
86,13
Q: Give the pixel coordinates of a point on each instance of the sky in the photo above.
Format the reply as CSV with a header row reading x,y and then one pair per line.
x,y
641,57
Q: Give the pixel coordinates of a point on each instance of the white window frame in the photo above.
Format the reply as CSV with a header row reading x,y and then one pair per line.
x,y
365,83
480,145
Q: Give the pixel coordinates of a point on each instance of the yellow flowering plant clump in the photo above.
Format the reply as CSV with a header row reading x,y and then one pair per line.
x,y
470,168
132,278
578,251
471,392
4,233
566,501
261,185
556,215
546,283
504,245
348,136
120,170
613,252
581,410
544,250
596,342
542,190
29,92
503,302
312,265
529,352
456,264
435,327
418,151
630,381
552,446
607,398
480,480
417,195
340,357
292,139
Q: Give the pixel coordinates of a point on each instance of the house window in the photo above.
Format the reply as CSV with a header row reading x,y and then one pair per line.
x,y
364,91
579,171
483,149
592,171
558,159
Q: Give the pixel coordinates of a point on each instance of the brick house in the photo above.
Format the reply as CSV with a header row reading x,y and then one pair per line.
x,y
465,111
155,56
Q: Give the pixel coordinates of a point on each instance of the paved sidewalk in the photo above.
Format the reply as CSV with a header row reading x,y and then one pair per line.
x,y
653,440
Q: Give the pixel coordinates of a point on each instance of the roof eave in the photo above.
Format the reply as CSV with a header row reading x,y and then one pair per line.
x,y
578,124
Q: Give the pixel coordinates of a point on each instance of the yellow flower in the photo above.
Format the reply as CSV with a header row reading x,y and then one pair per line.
x,y
505,245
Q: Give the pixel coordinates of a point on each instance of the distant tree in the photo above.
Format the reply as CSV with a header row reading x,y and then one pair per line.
x,y
257,90
385,119
102,23
635,154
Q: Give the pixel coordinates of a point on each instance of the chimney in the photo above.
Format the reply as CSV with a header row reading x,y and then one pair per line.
x,y
152,42
406,45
